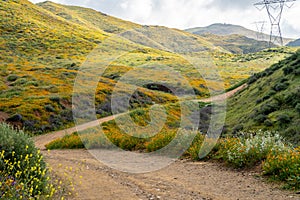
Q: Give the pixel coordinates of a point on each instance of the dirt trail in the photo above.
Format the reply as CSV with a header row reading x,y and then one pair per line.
x,y
224,96
181,180
42,140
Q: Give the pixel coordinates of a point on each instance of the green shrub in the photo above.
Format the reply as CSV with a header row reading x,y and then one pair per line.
x,y
298,108
281,86
72,141
55,99
268,108
12,78
193,151
160,141
49,108
238,128
251,149
32,83
20,81
284,166
22,169
284,119
260,118
268,123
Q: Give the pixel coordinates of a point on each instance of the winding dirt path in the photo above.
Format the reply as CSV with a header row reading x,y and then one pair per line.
x,y
42,140
221,97
182,180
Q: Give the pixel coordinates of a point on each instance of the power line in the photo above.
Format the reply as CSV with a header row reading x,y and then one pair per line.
x,y
260,27
275,9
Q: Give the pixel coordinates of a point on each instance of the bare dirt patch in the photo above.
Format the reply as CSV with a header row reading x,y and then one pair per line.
x,y
182,180
3,116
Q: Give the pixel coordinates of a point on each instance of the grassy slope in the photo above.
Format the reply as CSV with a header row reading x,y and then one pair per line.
x,y
171,40
88,17
223,29
44,57
271,102
237,43
295,43
41,52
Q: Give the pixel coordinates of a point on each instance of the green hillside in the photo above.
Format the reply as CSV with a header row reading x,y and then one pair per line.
x,y
43,46
230,29
295,43
271,102
238,44
40,57
88,17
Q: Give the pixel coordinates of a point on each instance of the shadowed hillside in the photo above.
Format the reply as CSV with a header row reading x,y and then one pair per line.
x,y
295,43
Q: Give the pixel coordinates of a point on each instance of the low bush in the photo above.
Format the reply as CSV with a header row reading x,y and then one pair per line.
x,y
280,86
193,151
160,141
250,149
49,108
268,108
72,141
260,118
284,119
298,108
12,78
23,173
284,166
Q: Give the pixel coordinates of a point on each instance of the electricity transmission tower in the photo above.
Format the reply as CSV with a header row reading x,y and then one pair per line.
x,y
275,9
260,26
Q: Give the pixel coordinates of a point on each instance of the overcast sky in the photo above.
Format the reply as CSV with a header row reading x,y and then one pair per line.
x,y
184,14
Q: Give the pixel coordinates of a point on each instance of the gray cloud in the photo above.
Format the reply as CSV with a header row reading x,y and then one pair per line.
x,y
232,4
189,13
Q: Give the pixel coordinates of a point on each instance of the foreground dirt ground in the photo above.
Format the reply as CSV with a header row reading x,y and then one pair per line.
x,y
182,180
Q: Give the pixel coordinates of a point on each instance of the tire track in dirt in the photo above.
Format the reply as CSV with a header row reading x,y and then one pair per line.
x,y
182,180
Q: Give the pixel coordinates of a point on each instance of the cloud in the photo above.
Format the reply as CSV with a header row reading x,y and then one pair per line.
x,y
136,10
232,4
190,13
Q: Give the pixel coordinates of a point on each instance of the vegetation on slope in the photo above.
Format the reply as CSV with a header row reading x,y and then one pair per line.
x,y
223,29
43,49
238,44
88,17
295,43
40,61
271,102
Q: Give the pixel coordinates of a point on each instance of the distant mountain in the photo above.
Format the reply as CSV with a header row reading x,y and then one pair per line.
x,y
295,43
237,44
271,102
230,29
